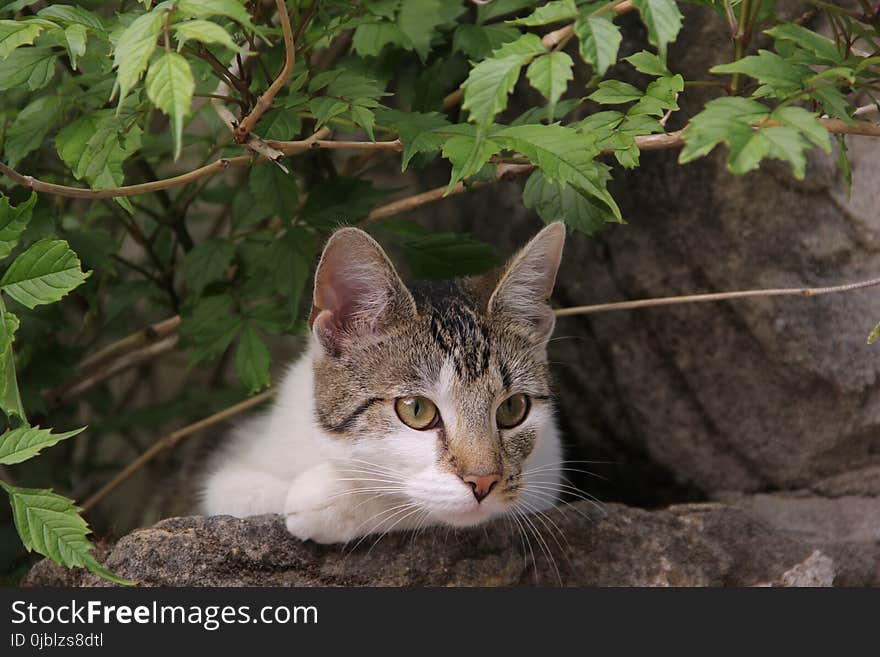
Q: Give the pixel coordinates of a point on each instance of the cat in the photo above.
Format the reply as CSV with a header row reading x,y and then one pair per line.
x,y
411,406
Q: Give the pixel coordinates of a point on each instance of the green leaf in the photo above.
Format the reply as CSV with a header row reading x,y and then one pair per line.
x,y
170,86
844,164
478,41
491,81
19,33
280,124
51,525
233,9
599,40
206,263
660,95
76,37
663,20
874,334
274,190
210,327
648,63
555,202
447,255
10,399
467,154
340,201
731,121
44,273
615,92
95,149
781,78
564,156
13,221
821,46
806,123
552,12
418,21
550,74
31,67
30,127
72,15
369,39
489,11
252,360
415,130
17,445
134,48
204,32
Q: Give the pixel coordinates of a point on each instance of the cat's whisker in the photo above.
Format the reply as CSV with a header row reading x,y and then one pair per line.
x,y
544,518
393,511
545,548
377,466
553,499
563,486
527,543
391,528
581,495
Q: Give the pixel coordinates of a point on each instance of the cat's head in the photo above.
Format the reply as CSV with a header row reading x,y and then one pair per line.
x,y
436,394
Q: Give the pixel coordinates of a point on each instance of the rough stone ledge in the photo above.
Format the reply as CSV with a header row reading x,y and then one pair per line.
x,y
687,545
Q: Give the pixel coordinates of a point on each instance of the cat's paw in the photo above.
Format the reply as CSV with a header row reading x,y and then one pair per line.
x,y
315,508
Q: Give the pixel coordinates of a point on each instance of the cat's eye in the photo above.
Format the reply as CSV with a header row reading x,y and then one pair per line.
x,y
417,412
512,411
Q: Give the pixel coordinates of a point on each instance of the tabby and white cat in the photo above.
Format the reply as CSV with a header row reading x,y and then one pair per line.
x,y
412,406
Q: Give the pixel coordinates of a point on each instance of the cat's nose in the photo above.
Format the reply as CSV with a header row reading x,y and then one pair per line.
x,y
482,485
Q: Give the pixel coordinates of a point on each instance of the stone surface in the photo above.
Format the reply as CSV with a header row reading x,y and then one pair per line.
x,y
686,545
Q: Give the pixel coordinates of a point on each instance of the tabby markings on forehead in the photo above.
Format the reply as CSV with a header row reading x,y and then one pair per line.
x,y
348,423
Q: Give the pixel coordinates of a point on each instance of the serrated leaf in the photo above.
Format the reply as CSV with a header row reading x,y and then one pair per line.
x,y
365,119
550,74
369,39
806,123
19,33
10,399
17,445
478,41
44,273
252,360
447,255
648,63
280,124
416,130
204,32
13,221
555,202
660,95
663,20
134,48
205,263
780,77
340,201
233,9
615,92
740,123
467,154
599,40
488,11
51,525
170,85
30,127
210,327
76,37
72,15
552,12
821,46
564,156
491,81
31,67
418,21
94,149
274,190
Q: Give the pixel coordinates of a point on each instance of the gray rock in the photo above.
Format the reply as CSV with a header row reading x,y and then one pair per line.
x,y
685,545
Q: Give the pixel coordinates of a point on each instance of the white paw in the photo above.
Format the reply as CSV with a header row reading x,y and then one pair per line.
x,y
315,508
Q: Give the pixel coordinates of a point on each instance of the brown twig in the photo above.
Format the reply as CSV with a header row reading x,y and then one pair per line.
x,y
563,34
170,440
264,102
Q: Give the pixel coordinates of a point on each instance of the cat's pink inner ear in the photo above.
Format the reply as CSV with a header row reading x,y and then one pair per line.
x,y
356,287
523,293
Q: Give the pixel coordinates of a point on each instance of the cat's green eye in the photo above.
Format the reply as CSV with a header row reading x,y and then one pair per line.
x,y
512,411
417,412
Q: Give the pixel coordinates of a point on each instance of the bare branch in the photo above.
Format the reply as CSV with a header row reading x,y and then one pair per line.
x,y
559,37
264,102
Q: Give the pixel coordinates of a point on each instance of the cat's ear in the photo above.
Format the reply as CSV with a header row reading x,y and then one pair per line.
x,y
523,293
357,290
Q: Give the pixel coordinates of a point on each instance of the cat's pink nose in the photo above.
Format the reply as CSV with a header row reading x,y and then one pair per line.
x,y
482,485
